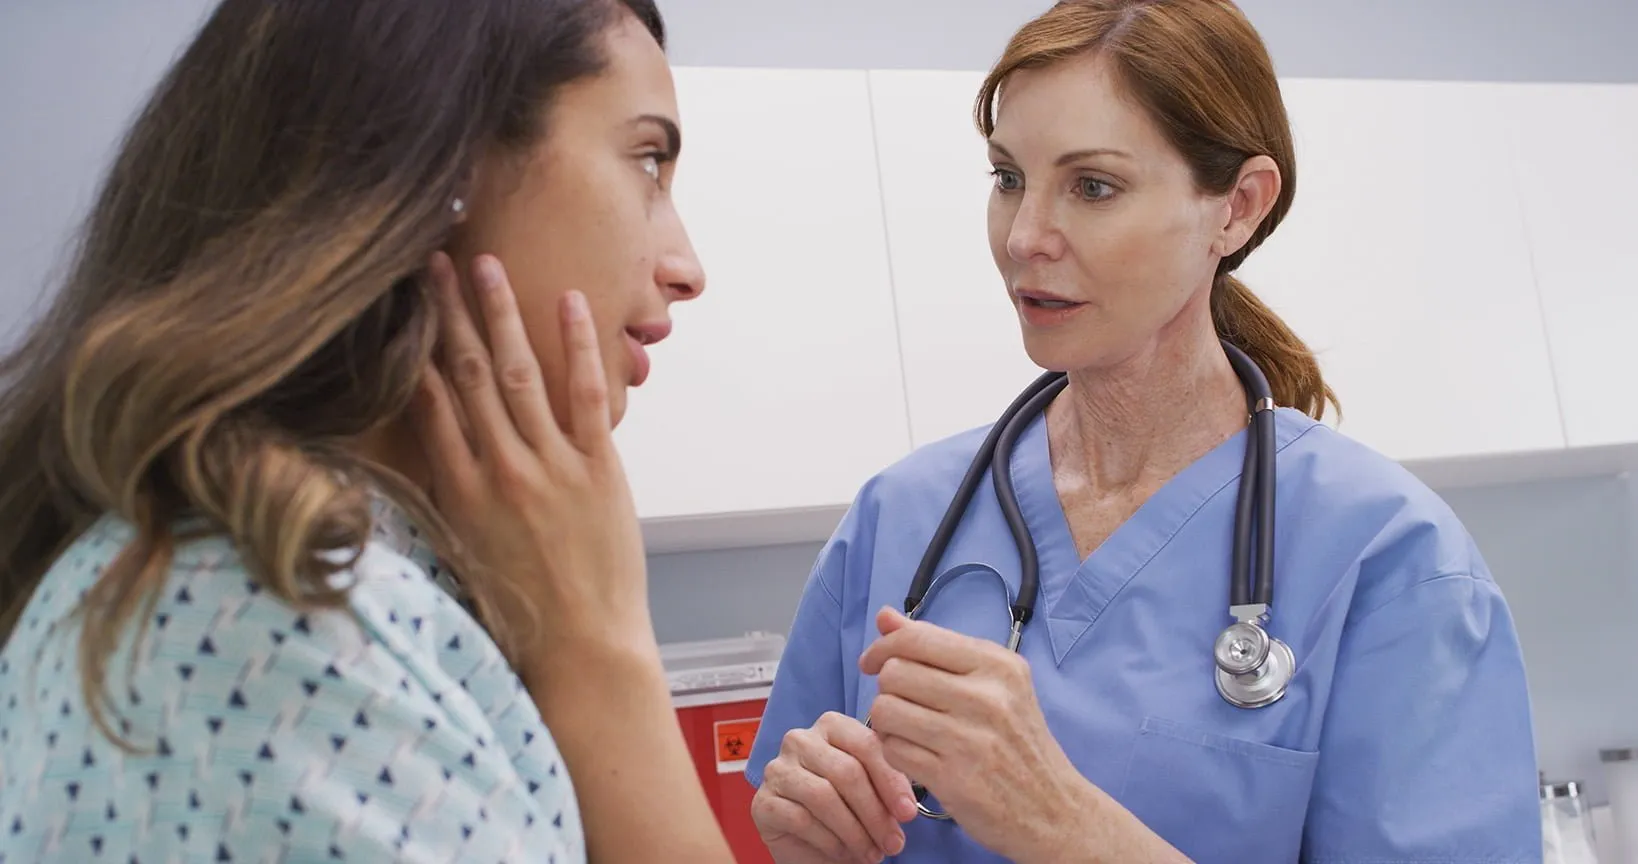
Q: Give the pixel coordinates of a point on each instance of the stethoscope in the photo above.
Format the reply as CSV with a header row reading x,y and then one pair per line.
x,y
1252,667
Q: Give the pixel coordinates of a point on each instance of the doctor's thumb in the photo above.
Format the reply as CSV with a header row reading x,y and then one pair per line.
x,y
890,619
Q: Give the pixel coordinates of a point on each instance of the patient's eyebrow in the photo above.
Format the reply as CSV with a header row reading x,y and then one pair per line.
x,y
673,135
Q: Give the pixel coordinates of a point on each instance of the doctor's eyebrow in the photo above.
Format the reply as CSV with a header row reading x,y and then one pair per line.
x,y
1067,158
673,135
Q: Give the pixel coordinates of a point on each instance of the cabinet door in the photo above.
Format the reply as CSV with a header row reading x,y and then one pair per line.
x,y
1576,145
1404,265
964,356
781,387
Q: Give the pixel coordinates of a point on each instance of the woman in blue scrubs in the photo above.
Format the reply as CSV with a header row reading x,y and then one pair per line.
x,y
1141,151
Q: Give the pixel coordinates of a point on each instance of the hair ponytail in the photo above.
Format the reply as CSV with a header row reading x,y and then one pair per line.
x,y
1293,372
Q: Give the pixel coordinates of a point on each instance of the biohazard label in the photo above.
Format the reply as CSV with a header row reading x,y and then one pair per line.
x,y
734,738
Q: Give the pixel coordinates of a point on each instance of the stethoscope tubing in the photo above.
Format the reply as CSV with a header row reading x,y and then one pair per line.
x,y
964,493
1029,565
1251,580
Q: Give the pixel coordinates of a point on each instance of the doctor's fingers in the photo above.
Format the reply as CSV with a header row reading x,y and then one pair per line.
x,y
975,696
941,737
794,836
849,757
934,646
818,813
852,737
922,762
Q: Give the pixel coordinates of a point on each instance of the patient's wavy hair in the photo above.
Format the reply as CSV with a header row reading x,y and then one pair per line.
x,y
246,299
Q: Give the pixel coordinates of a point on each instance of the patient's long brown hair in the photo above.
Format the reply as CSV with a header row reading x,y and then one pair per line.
x,y
246,297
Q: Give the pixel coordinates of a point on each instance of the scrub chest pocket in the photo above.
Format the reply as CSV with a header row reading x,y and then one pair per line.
x,y
1218,798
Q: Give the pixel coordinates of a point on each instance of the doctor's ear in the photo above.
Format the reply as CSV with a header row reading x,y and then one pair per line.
x,y
1253,195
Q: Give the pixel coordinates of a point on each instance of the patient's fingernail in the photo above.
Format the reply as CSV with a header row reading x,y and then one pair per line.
x,y
489,274
574,304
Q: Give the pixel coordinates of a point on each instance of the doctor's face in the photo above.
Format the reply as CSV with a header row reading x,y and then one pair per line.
x,y
589,208
1100,234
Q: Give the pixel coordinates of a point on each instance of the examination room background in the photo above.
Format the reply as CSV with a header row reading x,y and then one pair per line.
x,y
71,71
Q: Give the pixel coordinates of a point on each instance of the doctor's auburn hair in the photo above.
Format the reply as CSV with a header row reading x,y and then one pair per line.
x,y
249,296
1202,73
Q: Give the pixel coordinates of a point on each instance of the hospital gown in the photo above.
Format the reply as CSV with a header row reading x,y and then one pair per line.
x,y
1405,735
394,733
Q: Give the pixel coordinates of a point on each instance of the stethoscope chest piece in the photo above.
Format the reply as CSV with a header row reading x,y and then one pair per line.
x,y
1253,668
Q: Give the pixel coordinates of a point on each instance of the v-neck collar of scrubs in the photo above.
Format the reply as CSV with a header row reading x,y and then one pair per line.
x,y
1075,592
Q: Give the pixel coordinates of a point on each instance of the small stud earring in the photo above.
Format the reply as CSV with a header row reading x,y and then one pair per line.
x,y
458,206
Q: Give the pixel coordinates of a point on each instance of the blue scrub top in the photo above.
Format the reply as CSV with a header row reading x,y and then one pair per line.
x,y
1405,735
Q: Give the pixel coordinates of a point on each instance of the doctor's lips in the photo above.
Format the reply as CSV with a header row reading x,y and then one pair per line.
x,y
1042,308
638,337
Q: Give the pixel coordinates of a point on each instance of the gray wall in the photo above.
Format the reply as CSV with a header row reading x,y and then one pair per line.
x,y
71,73
1562,552
1492,40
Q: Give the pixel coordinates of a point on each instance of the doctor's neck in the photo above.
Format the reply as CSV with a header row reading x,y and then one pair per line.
x,y
1134,425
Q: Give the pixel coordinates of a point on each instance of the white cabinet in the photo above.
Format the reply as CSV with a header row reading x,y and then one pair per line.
x,y
964,355
853,310
1577,168
1404,264
781,387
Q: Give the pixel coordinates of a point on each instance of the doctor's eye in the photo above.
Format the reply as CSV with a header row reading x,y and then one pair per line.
x,y
1007,180
1093,189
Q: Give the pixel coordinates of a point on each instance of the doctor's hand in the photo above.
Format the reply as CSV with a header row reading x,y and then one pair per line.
x,y
959,716
830,796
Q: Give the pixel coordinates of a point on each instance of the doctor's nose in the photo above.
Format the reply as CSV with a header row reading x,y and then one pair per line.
x,y
1034,233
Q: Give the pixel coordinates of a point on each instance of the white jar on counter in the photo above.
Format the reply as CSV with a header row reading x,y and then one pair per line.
x,y
1621,778
1567,835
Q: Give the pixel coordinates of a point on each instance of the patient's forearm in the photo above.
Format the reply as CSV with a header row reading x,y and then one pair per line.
x,y
609,709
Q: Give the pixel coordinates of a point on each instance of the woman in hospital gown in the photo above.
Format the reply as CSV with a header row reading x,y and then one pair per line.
x,y
1141,152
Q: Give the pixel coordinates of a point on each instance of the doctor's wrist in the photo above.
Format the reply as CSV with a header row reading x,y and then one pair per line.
x,y
1091,827
1072,834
